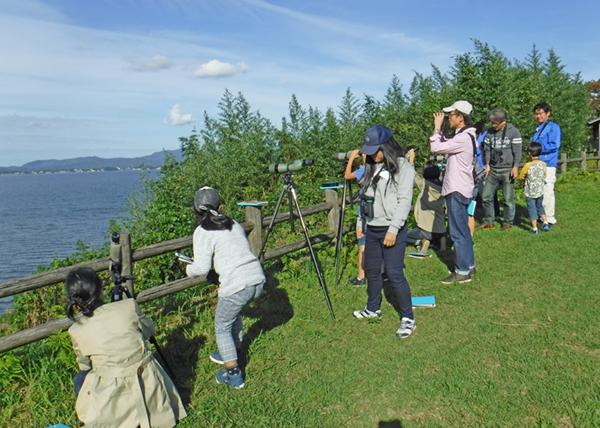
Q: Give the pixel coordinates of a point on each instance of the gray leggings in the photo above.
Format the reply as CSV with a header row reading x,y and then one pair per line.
x,y
228,321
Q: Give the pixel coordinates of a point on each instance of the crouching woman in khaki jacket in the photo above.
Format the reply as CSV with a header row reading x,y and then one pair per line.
x,y
124,386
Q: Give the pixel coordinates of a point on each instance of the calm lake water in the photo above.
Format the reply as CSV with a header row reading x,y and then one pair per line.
x,y
42,216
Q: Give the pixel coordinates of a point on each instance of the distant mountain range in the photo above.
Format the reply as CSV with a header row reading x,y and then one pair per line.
x,y
154,160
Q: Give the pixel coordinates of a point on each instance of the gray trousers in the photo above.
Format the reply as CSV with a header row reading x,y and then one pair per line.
x,y
229,329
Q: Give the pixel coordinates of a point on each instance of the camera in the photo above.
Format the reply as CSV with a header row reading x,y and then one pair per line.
x,y
293,166
366,206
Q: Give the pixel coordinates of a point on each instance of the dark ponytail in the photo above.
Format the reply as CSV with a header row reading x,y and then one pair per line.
x,y
210,219
84,292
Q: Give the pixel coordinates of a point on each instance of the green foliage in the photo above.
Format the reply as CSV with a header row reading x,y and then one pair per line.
x,y
594,88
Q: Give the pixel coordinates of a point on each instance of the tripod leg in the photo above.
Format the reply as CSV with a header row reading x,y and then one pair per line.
x,y
338,245
291,211
270,228
351,194
312,253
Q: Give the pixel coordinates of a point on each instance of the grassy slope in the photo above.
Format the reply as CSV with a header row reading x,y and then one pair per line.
x,y
518,346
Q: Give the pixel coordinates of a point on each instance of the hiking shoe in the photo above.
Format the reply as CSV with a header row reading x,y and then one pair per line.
x,y
365,313
235,381
358,281
546,227
407,327
535,232
505,227
485,226
455,277
215,357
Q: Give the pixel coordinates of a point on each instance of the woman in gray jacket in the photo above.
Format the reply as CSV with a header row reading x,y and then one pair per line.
x,y
387,187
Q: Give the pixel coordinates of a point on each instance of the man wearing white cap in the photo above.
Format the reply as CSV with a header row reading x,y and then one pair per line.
x,y
458,183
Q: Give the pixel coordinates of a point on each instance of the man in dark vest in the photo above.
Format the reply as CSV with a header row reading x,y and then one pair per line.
x,y
503,152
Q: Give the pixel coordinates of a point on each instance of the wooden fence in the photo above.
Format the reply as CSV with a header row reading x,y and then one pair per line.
x,y
253,226
583,159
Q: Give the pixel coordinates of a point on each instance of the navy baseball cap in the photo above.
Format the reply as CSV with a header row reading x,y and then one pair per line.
x,y
375,136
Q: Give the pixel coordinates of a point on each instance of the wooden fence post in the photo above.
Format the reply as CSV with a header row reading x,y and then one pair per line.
x,y
254,215
563,163
126,267
583,162
333,217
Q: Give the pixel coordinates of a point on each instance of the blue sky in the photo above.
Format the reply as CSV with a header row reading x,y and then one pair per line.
x,y
127,78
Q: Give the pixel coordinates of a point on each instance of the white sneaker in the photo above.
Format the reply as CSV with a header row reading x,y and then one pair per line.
x,y
365,313
407,326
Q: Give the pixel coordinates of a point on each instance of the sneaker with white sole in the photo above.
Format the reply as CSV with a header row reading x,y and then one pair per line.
x,y
358,281
455,277
235,381
215,357
365,313
546,227
407,327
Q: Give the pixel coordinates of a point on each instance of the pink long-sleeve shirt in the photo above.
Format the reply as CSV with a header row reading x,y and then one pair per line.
x,y
459,169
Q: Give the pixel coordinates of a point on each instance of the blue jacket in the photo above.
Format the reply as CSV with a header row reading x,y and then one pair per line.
x,y
549,138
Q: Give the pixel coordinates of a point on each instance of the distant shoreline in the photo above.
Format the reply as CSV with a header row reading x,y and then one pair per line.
x,y
62,171
94,164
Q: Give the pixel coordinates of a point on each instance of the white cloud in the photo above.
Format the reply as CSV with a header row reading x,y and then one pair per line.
x,y
155,63
176,117
216,68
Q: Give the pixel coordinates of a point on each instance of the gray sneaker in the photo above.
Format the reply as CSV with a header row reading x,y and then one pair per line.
x,y
365,313
407,327
455,277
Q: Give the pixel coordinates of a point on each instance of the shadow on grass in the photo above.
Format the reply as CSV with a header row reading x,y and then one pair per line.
x,y
446,256
390,424
181,351
272,309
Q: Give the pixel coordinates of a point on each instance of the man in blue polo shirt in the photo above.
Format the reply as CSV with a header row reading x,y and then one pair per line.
x,y
548,135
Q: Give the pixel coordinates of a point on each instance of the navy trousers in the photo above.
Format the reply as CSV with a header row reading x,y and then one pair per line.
x,y
375,255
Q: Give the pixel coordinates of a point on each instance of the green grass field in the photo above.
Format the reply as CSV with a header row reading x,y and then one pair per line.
x,y
519,346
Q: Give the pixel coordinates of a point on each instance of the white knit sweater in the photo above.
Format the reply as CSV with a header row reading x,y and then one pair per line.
x,y
229,252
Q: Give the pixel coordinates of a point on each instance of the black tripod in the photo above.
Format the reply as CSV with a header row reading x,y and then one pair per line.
x,y
289,187
340,232
118,292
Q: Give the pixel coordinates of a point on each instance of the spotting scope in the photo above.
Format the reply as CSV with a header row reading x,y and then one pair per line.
x,y
293,166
